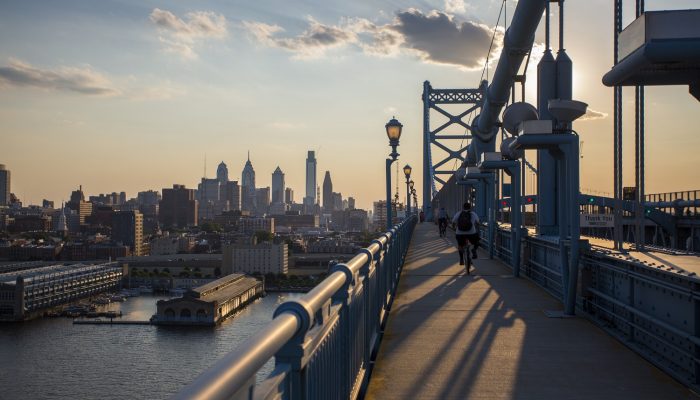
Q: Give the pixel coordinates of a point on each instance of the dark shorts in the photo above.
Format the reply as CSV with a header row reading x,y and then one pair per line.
x,y
473,238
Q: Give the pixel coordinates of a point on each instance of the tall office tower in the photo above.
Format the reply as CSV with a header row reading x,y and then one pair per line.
x,y
248,187
288,195
337,202
122,198
351,203
262,200
278,186
222,173
46,204
4,186
327,193
127,228
310,198
61,222
79,205
208,194
233,195
178,207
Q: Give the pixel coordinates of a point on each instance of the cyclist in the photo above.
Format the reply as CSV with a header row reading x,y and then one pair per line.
x,y
465,223
442,221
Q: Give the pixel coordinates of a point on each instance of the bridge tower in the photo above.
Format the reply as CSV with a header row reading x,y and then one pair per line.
x,y
435,173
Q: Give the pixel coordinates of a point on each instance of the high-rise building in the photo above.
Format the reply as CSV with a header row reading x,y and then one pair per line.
x,y
351,203
122,198
232,194
222,173
310,198
248,187
278,186
288,195
82,208
262,200
127,228
148,198
178,208
4,186
337,203
46,204
208,194
327,193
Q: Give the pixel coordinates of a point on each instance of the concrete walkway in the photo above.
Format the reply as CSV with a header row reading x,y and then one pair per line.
x,y
485,336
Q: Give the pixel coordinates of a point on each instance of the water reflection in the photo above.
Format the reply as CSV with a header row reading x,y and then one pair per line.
x,y
54,359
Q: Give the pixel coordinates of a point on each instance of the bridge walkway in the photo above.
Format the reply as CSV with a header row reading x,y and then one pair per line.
x,y
486,336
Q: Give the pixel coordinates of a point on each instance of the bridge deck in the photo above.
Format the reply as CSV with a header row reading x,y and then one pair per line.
x,y
485,336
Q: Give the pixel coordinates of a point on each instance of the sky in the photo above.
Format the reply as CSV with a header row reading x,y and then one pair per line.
x,y
136,95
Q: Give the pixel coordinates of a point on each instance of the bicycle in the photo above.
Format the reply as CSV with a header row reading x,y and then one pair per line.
x,y
442,226
468,261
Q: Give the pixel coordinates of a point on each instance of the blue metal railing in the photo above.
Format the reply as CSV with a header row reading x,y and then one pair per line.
x,y
653,311
323,342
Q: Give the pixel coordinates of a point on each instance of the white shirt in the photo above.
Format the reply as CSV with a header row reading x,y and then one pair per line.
x,y
475,221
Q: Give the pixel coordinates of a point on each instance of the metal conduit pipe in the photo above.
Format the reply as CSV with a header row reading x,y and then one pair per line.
x,y
517,42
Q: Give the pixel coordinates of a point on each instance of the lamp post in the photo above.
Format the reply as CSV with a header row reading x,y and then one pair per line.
x,y
407,172
411,192
393,132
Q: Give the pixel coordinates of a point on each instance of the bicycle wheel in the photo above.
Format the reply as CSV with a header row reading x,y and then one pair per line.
x,y
468,262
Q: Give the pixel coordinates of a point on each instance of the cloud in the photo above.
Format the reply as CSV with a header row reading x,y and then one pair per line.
x,y
455,6
435,37
181,35
83,80
438,38
313,42
591,115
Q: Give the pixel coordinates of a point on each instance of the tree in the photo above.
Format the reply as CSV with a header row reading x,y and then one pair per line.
x,y
264,236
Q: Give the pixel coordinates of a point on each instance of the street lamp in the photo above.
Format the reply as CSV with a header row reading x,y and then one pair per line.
x,y
409,192
393,132
407,171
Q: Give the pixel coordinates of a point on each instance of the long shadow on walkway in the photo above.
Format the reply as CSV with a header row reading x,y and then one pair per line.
x,y
485,336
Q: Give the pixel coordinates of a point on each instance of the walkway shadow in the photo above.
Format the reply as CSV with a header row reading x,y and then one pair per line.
x,y
485,336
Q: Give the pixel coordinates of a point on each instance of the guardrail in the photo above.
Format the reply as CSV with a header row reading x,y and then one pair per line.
x,y
323,343
653,311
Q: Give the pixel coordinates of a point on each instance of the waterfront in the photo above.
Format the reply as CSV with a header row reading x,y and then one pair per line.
x,y
50,358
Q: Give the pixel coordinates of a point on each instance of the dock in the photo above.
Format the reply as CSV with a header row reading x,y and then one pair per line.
x,y
486,336
109,322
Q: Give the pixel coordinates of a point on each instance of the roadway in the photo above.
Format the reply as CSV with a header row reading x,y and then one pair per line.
x,y
486,336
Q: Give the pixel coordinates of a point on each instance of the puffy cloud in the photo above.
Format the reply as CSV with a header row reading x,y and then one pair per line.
x,y
455,6
435,37
591,115
180,35
82,80
439,38
313,42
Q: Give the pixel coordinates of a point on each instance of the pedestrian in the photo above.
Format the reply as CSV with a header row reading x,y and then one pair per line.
x,y
465,224
442,221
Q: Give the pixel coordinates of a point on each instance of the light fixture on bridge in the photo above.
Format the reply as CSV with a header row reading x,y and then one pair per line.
x,y
393,131
407,171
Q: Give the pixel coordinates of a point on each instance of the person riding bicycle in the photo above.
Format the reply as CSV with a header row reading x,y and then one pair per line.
x,y
465,223
442,220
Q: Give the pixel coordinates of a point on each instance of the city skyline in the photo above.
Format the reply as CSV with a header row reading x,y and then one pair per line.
x,y
153,87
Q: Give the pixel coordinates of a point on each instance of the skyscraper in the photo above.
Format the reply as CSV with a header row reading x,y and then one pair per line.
x,y
127,228
222,173
178,207
4,186
248,187
310,198
278,186
288,195
233,195
327,193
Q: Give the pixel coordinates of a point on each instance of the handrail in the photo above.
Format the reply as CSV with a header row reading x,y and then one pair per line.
x,y
376,268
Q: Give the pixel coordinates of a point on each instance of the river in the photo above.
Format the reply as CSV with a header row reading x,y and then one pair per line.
x,y
51,358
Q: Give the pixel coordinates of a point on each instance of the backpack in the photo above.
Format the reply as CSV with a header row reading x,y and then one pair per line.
x,y
464,221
